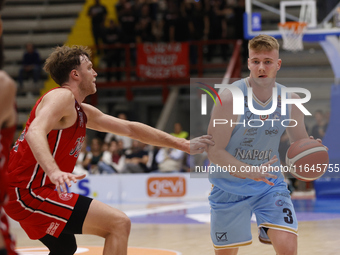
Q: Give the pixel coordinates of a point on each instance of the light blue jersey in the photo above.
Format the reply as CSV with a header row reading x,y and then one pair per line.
x,y
253,145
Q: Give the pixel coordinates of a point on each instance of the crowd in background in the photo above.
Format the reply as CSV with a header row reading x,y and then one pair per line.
x,y
140,21
168,20
119,154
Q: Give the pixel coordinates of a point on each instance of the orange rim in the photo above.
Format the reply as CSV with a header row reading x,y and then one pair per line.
x,y
298,26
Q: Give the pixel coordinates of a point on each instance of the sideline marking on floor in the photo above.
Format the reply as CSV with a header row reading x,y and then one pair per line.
x,y
98,251
164,208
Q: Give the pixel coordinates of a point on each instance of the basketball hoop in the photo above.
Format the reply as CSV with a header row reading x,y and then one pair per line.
x,y
292,34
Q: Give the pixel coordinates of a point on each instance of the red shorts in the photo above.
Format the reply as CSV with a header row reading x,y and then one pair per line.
x,y
9,240
40,211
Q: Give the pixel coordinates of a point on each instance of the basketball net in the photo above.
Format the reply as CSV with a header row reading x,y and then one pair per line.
x,y
292,34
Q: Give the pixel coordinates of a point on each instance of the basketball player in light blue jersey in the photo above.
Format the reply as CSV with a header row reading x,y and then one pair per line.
x,y
249,149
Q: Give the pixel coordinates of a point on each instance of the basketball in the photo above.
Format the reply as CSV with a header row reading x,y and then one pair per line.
x,y
308,159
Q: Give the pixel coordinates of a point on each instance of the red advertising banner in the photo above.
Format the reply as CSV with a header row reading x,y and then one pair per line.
x,y
162,60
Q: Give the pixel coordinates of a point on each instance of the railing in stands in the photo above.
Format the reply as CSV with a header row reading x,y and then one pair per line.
x,y
233,69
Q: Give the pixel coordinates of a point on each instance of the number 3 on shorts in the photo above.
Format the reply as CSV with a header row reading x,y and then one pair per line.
x,y
289,218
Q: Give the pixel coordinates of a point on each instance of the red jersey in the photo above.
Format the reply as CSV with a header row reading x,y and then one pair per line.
x,y
6,140
23,169
33,200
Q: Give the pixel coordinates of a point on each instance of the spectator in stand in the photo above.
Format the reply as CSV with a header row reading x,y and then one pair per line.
x,y
94,156
136,158
198,25
121,148
128,19
178,131
181,24
237,24
126,141
113,160
319,129
31,65
169,160
97,13
217,27
169,21
146,25
119,6
112,37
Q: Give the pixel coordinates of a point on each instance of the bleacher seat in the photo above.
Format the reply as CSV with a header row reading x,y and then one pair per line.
x,y
38,25
41,10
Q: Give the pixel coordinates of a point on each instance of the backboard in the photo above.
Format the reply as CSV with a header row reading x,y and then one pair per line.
x,y
262,17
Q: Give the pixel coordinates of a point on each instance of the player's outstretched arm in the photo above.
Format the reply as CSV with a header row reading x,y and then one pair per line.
x,y
55,111
99,121
222,134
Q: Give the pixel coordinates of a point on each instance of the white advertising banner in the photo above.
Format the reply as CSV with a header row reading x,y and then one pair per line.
x,y
104,188
118,188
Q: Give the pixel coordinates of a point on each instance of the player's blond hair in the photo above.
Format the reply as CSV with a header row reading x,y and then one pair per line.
x,y
263,43
63,60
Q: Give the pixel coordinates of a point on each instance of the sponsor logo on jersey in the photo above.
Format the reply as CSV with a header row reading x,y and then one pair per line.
x,y
250,131
221,236
75,151
273,131
65,196
279,101
276,116
281,194
282,203
249,115
247,142
166,186
81,119
252,154
264,117
52,228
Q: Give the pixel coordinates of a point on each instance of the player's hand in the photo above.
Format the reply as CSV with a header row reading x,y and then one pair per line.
x,y
61,179
258,174
319,140
200,144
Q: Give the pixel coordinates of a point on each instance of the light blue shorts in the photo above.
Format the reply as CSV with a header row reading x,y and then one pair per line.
x,y
231,216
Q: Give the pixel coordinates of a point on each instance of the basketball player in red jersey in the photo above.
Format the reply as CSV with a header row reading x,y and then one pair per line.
x,y
44,156
7,129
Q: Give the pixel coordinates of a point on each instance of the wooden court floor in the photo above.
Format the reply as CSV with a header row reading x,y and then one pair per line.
x,y
315,237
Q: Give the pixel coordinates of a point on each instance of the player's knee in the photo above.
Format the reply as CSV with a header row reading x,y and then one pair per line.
x,y
121,224
125,224
287,250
